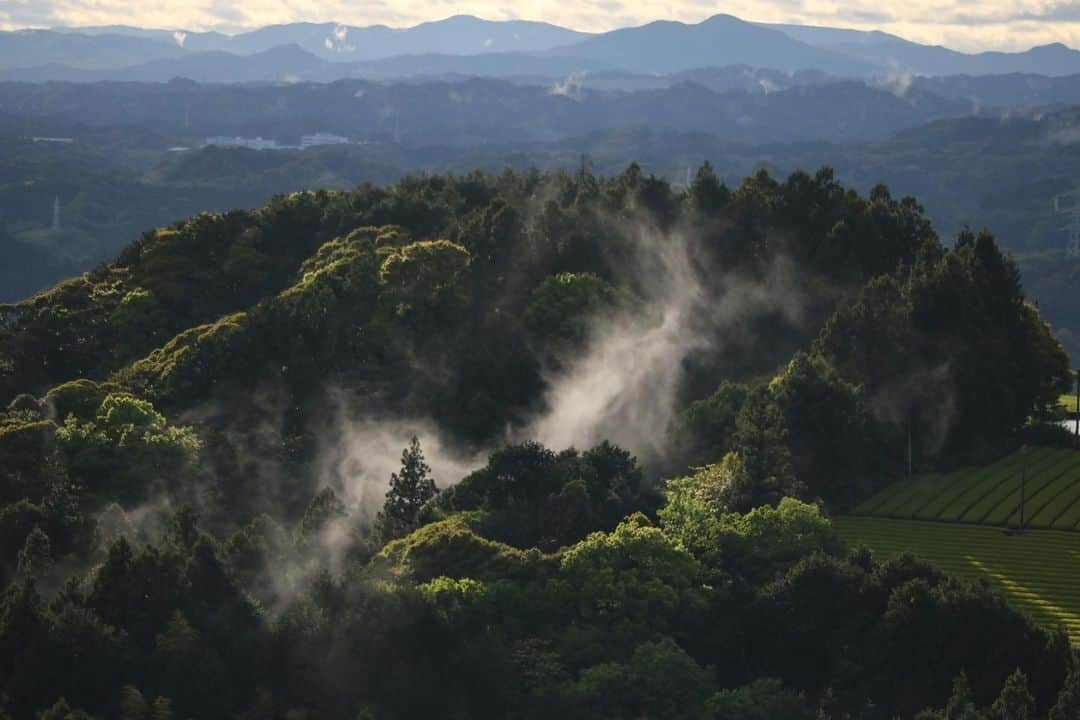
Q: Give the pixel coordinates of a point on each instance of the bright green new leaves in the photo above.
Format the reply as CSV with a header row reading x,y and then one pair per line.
x,y
755,545
349,299
422,282
633,576
452,548
127,449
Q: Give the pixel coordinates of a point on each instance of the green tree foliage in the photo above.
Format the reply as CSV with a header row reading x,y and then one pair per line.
x,y
1015,701
708,493
764,699
410,489
947,333
60,710
704,431
133,705
562,307
531,496
127,449
707,193
70,531
454,549
35,559
183,527
1068,700
28,459
659,680
761,443
757,545
961,706
632,577
137,318
423,281
324,509
828,429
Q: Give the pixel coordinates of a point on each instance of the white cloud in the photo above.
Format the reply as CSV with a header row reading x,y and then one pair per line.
x,y
968,24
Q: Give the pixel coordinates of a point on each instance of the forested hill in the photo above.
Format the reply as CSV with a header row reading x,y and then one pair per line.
x,y
199,438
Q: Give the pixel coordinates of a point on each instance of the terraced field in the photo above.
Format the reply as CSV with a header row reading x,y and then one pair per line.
x,y
991,495
1039,571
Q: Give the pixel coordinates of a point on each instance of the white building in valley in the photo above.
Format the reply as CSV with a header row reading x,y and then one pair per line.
x,y
321,138
255,143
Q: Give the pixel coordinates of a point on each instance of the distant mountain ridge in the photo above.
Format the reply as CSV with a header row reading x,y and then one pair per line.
x,y
282,63
667,47
471,46
456,35
893,52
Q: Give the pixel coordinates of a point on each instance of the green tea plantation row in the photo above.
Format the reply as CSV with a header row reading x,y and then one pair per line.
x,y
1042,484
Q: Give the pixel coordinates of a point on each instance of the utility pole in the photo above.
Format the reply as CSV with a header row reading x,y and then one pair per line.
x,y
583,172
909,452
1023,486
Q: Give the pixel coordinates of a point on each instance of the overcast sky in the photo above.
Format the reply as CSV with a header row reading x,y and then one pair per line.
x,y
961,24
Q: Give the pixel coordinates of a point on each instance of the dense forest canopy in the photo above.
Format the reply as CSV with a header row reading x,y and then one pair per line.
x,y
627,412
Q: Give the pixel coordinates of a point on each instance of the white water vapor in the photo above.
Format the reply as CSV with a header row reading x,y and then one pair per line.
x,y
568,88
361,451
898,82
625,386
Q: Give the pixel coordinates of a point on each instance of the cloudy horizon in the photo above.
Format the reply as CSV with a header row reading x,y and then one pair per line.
x,y
1009,25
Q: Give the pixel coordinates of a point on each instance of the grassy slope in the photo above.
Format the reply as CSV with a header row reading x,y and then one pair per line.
x,y
1039,571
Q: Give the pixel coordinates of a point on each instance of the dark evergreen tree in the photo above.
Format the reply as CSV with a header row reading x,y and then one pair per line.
x,y
761,441
35,559
410,489
961,706
1067,706
1015,701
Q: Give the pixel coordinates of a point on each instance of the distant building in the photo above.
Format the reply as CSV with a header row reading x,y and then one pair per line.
x,y
66,141
255,143
317,139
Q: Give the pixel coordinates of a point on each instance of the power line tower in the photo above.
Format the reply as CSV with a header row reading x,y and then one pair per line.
x,y
1068,204
56,214
585,168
